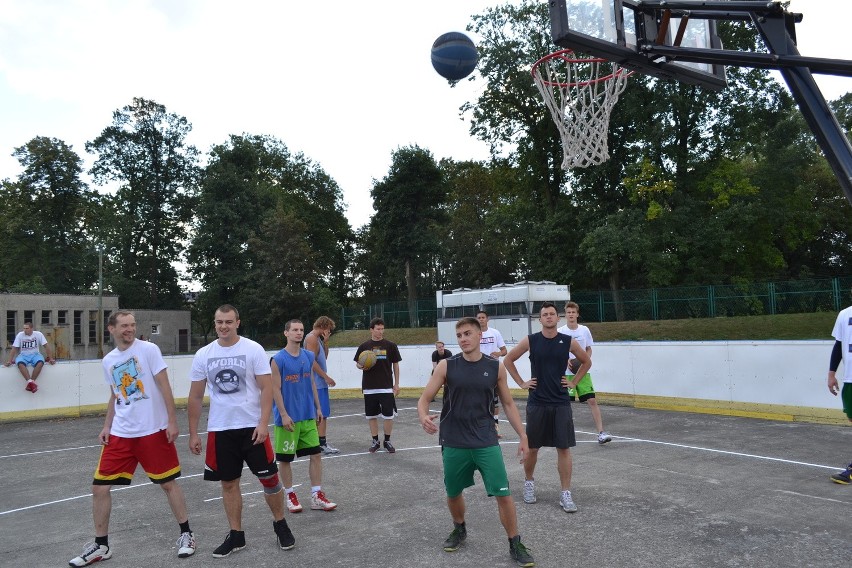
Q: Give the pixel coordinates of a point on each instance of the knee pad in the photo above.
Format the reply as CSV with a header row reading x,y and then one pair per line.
x,y
271,484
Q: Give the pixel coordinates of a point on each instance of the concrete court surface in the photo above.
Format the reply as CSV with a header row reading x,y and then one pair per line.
x,y
672,489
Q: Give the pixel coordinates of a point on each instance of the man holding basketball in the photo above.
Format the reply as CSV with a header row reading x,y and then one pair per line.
x,y
842,351
470,382
549,419
380,383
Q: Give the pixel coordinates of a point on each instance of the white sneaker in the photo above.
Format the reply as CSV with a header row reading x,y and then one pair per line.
x,y
328,450
186,545
293,504
320,503
567,502
529,491
604,437
91,553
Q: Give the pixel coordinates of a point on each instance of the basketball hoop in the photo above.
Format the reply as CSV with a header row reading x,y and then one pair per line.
x,y
580,93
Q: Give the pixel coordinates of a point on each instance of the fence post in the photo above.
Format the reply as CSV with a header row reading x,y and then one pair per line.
x,y
835,293
655,309
771,287
600,306
711,301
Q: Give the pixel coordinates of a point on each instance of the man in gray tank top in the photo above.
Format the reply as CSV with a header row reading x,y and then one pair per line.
x,y
468,436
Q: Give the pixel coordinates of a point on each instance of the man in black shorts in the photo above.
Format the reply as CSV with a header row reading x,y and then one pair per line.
x,y
380,383
239,375
549,419
468,439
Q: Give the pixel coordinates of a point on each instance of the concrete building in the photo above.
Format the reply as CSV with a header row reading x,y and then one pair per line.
x,y
70,324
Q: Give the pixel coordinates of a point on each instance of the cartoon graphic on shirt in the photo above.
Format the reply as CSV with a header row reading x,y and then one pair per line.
x,y
128,386
227,373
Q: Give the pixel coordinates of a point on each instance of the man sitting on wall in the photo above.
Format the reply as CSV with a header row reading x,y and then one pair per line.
x,y
26,351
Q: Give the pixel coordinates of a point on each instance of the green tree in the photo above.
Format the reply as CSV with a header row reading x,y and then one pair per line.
x,y
253,189
46,218
409,207
145,153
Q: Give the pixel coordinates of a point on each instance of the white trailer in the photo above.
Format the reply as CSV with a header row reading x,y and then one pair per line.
x,y
512,308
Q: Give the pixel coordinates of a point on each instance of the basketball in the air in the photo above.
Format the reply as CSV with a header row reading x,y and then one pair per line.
x,y
367,359
454,56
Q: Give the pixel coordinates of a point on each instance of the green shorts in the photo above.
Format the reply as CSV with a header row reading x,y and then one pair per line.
x,y
302,441
846,395
460,463
584,391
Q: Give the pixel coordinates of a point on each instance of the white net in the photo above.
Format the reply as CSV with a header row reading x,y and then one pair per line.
x,y
580,94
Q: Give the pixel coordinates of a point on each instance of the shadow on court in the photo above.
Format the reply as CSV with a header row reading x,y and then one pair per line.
x,y
672,489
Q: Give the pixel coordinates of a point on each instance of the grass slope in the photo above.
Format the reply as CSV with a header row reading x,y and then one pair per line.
x,y
788,326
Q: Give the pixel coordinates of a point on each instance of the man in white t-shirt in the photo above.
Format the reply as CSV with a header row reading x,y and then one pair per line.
x,y
26,351
842,351
238,373
585,391
491,344
140,428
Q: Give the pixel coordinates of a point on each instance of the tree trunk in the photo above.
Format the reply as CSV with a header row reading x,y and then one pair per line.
x,y
615,286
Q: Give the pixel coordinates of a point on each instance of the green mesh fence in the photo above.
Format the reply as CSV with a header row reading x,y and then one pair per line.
x,y
680,302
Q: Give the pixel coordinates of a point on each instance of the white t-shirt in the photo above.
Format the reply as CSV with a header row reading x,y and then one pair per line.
x,y
843,333
140,409
492,340
231,374
29,344
582,335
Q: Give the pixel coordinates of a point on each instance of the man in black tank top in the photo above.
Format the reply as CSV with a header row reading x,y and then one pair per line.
x,y
468,436
549,420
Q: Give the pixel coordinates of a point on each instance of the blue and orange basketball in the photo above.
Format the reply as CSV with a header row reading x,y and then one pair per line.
x,y
454,56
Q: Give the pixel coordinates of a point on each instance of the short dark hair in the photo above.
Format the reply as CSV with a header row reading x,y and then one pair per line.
x,y
376,321
482,312
549,305
225,308
290,323
467,321
113,317
29,323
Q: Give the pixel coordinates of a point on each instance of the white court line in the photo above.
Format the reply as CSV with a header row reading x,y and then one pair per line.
x,y
622,438
811,496
99,445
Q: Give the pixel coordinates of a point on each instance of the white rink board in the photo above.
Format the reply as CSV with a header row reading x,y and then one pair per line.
x,y
765,372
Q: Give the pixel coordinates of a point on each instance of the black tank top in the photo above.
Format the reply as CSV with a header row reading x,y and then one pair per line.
x,y
467,417
548,361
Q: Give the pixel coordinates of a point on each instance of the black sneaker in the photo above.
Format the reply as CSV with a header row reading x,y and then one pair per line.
x,y
286,540
234,541
519,552
456,538
844,477
374,447
389,448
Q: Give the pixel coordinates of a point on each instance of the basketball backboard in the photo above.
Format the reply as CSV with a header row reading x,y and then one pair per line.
x,y
616,29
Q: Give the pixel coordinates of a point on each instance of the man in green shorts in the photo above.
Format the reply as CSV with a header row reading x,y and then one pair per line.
x,y
584,391
297,411
467,435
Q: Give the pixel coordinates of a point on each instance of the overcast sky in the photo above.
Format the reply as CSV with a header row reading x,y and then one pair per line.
x,y
346,83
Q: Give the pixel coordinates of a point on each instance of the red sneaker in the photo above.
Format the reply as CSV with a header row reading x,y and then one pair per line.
x,y
32,386
293,504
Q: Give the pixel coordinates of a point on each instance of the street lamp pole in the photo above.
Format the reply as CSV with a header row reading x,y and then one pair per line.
x,y
100,302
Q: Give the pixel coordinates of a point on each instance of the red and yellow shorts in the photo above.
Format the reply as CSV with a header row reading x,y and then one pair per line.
x,y
120,457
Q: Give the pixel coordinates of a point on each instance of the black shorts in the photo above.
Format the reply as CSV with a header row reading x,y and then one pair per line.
x,y
229,449
381,404
551,426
